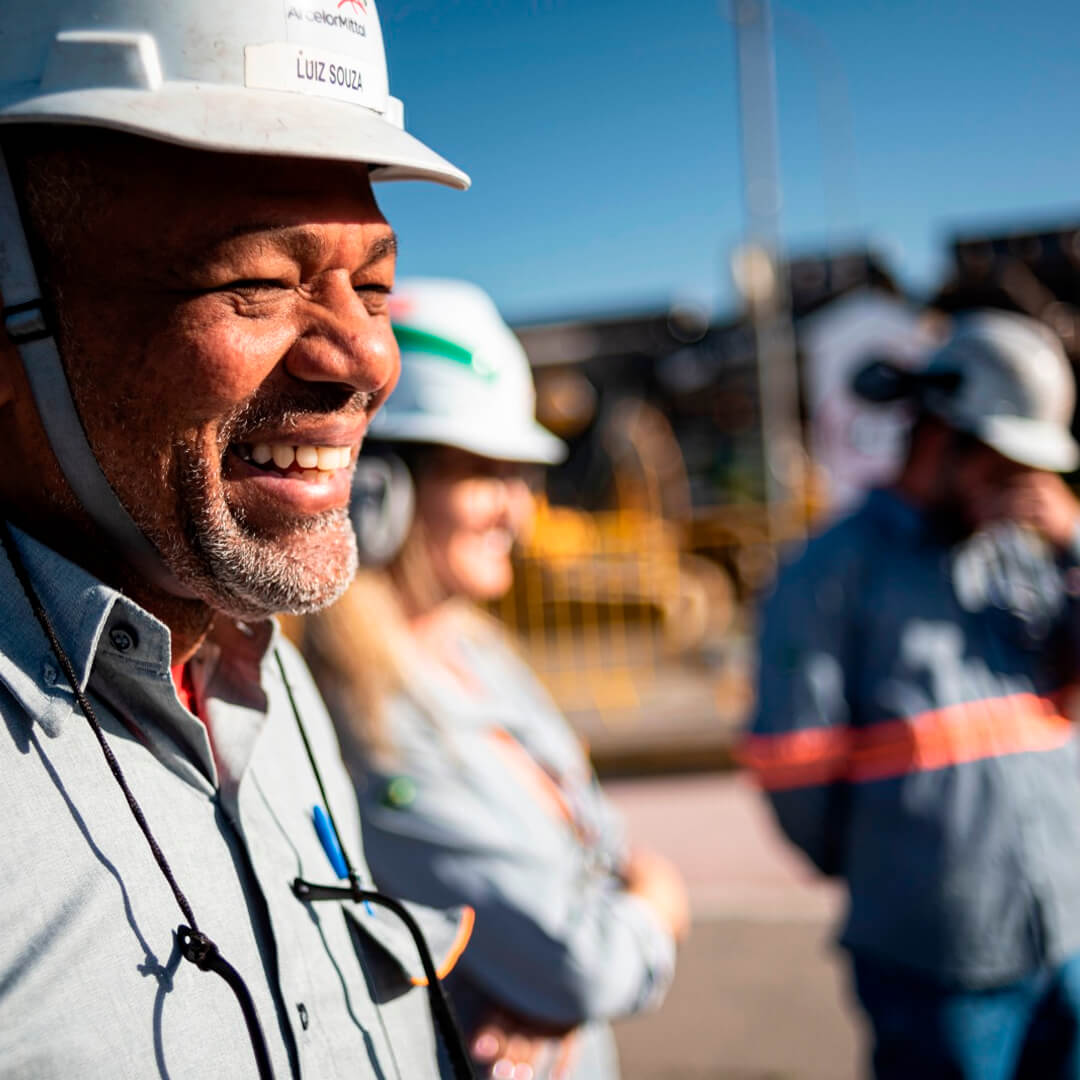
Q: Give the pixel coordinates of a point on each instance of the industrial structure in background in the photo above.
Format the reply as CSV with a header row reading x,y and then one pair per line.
x,y
634,596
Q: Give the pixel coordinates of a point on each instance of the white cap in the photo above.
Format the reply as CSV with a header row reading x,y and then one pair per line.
x,y
1015,390
465,379
303,78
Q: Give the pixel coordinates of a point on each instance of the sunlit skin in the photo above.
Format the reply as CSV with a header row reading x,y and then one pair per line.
x,y
210,301
976,486
473,510
1001,490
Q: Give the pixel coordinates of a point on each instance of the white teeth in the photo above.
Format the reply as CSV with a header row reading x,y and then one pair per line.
x,y
330,457
315,462
283,455
307,457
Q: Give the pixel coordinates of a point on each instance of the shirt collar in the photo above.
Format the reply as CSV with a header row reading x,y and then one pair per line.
x,y
89,616
77,605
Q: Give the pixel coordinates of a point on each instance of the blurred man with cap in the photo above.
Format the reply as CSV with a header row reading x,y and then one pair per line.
x,y
915,664
195,279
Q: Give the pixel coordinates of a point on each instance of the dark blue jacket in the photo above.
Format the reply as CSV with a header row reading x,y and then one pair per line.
x,y
911,735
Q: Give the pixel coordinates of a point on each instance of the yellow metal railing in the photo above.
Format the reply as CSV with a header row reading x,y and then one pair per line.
x,y
595,601
609,604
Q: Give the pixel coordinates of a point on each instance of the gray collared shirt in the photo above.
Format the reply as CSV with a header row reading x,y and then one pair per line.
x,y
91,981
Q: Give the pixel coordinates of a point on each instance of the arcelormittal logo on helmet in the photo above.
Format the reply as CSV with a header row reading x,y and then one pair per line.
x,y
328,52
333,19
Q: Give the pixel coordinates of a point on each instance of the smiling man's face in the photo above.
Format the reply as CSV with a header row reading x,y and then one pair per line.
x,y
225,328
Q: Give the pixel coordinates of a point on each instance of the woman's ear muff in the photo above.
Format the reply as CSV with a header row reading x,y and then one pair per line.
x,y
381,507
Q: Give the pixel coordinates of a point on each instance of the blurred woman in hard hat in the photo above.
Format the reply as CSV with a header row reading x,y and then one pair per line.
x,y
473,788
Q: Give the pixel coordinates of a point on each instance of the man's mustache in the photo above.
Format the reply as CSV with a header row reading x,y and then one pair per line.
x,y
300,403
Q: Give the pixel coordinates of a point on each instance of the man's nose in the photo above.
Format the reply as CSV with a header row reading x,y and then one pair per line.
x,y
341,341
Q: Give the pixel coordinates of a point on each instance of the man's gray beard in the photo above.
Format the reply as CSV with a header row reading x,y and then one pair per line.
x,y
235,571
242,574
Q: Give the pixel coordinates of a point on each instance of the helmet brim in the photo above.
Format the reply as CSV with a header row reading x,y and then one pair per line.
x,y
1035,443
532,443
228,119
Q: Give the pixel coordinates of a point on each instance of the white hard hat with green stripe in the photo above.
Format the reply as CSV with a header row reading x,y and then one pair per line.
x,y
465,379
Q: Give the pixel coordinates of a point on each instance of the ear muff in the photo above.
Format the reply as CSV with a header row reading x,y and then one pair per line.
x,y
382,506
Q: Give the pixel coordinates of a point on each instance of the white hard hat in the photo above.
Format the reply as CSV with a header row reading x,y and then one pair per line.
x,y
465,379
305,78
302,79
1014,389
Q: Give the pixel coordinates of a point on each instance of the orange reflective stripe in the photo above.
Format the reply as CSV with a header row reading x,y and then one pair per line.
x,y
532,775
797,758
974,731
993,727
461,939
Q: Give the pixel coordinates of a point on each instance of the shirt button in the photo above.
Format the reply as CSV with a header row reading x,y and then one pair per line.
x,y
123,637
301,1008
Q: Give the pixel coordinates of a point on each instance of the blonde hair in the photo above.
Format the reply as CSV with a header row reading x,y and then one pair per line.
x,y
361,650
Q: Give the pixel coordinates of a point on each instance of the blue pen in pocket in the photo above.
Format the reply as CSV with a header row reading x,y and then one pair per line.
x,y
328,839
332,846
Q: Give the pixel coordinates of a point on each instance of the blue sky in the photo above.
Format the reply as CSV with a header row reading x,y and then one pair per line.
x,y
602,138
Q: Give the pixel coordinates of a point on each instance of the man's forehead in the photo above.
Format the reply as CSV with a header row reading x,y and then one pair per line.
x,y
306,242
209,197
186,226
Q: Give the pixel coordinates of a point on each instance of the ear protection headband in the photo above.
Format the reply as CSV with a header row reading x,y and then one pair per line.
x,y
382,506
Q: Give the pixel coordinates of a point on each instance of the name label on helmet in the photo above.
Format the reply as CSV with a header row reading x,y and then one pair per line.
x,y
305,69
334,50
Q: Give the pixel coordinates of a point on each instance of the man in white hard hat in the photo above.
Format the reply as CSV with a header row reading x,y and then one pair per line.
x,y
195,280
911,727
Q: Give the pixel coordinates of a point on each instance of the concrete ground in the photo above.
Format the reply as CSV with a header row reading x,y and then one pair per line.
x,y
761,993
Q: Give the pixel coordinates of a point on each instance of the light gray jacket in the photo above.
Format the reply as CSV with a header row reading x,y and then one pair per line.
x,y
491,801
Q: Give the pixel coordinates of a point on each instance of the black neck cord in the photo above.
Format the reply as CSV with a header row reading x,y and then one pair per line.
x,y
453,1041
194,945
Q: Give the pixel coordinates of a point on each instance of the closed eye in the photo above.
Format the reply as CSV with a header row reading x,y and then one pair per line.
x,y
252,284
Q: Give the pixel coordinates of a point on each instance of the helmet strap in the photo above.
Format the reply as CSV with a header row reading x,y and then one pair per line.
x,y
30,326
